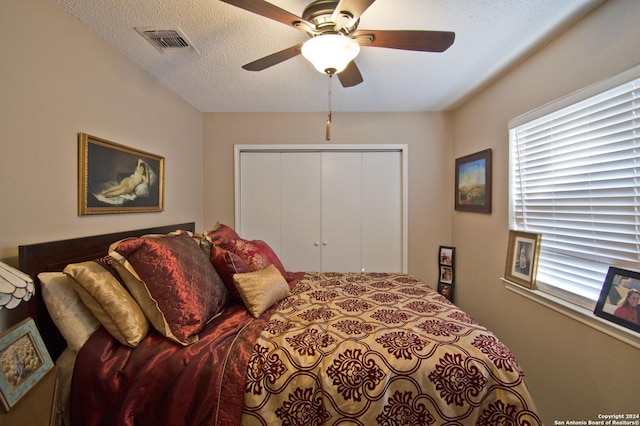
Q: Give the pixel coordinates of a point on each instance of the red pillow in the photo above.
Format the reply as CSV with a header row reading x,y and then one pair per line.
x,y
221,235
180,290
228,263
257,254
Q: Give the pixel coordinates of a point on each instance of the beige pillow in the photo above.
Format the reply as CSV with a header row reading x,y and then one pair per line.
x,y
259,290
72,317
109,301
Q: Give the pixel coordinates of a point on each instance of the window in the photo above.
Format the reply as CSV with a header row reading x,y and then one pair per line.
x,y
575,179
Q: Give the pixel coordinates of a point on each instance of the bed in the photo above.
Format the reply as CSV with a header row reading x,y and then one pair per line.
x,y
174,327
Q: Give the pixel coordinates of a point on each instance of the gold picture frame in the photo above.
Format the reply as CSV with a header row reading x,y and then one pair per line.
x,y
24,361
114,178
522,258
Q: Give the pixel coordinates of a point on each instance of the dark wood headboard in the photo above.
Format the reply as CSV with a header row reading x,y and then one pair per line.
x,y
54,256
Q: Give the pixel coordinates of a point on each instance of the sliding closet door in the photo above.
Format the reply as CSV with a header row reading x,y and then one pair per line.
x,y
382,207
300,210
260,207
341,211
325,209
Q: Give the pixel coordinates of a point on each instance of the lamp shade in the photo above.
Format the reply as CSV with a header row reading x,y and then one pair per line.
x,y
15,286
330,53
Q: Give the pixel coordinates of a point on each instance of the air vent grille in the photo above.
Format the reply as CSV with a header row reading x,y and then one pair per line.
x,y
166,40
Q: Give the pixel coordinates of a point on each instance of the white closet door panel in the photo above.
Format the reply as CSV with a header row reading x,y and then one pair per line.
x,y
341,211
382,211
260,209
300,212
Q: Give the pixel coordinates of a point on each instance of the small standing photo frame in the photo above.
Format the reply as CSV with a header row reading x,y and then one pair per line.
x,y
522,258
446,260
24,361
619,298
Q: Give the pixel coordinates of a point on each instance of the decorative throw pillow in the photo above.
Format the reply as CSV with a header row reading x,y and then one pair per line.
x,y
227,264
259,290
174,282
101,290
257,254
70,315
221,235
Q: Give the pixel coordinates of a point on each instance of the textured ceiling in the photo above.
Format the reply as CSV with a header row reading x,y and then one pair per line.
x,y
490,36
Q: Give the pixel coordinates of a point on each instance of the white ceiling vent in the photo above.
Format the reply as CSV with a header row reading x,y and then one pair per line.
x,y
166,40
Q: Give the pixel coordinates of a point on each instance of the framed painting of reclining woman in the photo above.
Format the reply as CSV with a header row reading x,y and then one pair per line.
x,y
114,178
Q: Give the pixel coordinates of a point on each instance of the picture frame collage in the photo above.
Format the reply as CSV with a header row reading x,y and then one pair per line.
x,y
446,267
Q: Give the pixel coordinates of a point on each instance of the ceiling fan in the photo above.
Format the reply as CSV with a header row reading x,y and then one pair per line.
x,y
336,22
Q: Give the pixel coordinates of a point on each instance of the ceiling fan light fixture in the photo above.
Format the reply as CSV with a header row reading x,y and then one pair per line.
x,y
330,53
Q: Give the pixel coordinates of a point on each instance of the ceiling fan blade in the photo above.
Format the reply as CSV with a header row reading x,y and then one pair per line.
x,y
269,10
353,7
273,59
424,41
350,76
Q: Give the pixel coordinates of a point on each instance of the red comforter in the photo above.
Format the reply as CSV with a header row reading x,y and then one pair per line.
x,y
361,348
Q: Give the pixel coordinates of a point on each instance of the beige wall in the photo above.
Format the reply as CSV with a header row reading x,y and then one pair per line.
x,y
58,79
428,136
573,371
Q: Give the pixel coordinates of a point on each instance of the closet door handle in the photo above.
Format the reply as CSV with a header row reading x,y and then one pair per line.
x,y
324,243
316,243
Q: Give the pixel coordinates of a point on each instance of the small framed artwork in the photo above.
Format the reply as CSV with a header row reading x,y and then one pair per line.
x,y
24,360
446,274
446,255
620,298
113,178
522,258
446,290
473,182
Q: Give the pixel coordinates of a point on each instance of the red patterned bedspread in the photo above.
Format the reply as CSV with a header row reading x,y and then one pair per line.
x,y
380,349
343,349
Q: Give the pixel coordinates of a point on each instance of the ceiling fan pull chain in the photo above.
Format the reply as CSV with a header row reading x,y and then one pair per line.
x,y
328,129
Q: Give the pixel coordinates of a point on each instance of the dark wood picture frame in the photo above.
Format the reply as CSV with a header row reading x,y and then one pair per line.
x,y
473,182
446,274
619,285
24,361
522,258
114,178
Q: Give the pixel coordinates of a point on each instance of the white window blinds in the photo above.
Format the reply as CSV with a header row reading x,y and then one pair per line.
x,y
575,178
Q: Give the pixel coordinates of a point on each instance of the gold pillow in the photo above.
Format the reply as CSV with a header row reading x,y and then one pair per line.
x,y
109,301
259,290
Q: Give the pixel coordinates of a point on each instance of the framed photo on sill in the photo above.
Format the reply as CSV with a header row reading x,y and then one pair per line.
x,y
473,182
522,258
24,361
114,178
619,300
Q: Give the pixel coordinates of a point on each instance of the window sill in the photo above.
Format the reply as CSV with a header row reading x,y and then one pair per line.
x,y
575,312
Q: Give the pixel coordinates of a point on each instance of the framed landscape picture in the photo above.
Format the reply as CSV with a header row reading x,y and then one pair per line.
x,y
473,182
114,178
